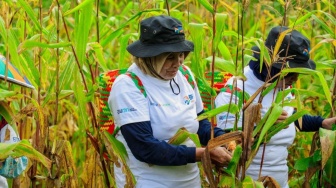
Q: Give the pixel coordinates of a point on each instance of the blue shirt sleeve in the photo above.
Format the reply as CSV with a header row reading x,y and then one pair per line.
x,y
310,123
146,148
204,130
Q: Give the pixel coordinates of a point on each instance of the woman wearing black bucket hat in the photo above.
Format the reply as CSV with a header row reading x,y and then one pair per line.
x,y
148,122
293,52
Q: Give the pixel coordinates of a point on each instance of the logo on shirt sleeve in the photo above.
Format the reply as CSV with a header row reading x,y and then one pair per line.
x,y
226,116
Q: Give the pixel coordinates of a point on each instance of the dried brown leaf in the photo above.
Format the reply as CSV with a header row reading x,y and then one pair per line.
x,y
224,139
252,115
269,182
207,167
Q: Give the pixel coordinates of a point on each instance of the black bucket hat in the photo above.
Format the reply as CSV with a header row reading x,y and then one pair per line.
x,y
298,50
160,34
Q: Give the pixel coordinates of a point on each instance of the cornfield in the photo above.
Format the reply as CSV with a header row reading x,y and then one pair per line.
x,y
63,46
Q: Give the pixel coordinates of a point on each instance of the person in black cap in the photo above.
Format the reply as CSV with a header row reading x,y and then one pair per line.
x,y
148,121
293,53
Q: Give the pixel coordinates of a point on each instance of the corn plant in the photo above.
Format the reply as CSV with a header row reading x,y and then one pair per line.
x,y
62,47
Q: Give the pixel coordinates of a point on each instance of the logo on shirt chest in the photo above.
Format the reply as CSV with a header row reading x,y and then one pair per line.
x,y
188,99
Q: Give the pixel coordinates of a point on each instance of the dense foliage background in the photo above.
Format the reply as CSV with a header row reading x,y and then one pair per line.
x,y
62,46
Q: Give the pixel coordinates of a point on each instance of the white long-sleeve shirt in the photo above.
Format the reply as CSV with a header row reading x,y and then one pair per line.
x,y
275,156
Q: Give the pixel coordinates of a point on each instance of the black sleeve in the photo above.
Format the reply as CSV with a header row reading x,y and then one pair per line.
x,y
204,130
146,148
310,123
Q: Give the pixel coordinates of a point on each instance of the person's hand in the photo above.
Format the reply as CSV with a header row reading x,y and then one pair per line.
x,y
328,122
282,117
220,156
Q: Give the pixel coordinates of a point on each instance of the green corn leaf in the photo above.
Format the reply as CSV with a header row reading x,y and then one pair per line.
x,y
180,137
123,40
129,8
302,19
330,17
80,98
32,44
233,110
275,112
111,37
264,54
197,33
269,89
12,44
278,127
259,126
65,94
30,12
91,92
220,24
67,74
248,182
307,92
233,164
225,52
204,87
304,163
281,97
98,49
23,148
207,5
64,79
6,93
251,32
231,34
82,29
82,6
322,81
325,87
115,146
2,29
195,139
50,91
28,68
324,26
227,181
117,32
223,65
325,64
282,94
